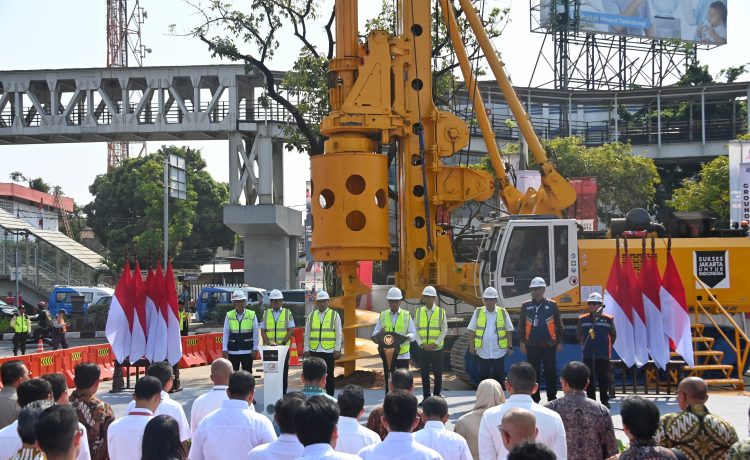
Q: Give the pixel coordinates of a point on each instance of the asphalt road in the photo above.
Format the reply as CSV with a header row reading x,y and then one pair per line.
x,y
6,346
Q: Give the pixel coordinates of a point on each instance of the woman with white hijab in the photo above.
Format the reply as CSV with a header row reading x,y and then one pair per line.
x,y
489,394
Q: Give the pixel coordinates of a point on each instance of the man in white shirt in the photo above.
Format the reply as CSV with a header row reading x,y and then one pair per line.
x,y
316,425
168,406
233,429
432,327
490,337
353,436
28,392
287,446
394,319
240,333
125,435
323,336
435,436
521,384
400,418
59,433
277,328
221,370
518,425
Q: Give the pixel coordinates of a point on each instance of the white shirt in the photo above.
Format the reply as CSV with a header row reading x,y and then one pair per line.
x,y
443,324
324,451
548,422
450,445
490,349
233,429
207,403
353,436
411,332
398,446
10,442
337,325
256,335
125,435
287,447
169,406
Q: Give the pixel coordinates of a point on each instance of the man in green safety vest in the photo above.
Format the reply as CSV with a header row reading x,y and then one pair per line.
x,y
394,319
277,327
184,318
240,339
432,327
21,325
323,336
490,337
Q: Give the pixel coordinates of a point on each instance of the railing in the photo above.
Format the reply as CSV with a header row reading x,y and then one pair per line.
x,y
741,343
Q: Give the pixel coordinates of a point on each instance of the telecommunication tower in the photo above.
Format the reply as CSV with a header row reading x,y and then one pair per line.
x,y
124,48
586,59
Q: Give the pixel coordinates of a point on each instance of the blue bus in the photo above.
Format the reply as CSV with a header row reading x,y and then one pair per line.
x,y
61,297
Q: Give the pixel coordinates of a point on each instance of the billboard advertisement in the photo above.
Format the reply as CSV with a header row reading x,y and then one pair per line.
x,y
702,21
739,182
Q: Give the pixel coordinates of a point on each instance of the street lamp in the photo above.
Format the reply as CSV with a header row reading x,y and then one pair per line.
x,y
16,269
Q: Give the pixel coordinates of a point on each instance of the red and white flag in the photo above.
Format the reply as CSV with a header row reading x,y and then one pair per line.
x,y
658,343
621,312
635,297
140,327
156,346
174,341
675,315
120,317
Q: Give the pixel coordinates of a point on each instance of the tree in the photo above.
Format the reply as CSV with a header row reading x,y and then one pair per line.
x,y
37,184
127,212
255,36
708,191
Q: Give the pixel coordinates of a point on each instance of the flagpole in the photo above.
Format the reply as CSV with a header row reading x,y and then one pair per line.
x,y
166,208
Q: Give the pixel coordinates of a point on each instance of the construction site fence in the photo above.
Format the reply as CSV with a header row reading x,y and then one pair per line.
x,y
197,350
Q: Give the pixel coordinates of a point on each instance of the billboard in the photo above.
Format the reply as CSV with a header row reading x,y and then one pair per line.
x,y
739,182
702,21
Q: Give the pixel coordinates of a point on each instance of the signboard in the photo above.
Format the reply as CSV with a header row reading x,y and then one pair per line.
x,y
712,267
739,182
702,21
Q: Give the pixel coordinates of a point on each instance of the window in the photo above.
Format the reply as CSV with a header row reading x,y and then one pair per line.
x,y
526,256
561,252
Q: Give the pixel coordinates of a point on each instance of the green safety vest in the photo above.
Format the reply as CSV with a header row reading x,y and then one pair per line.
x,y
184,319
21,324
502,336
276,329
240,332
429,329
402,323
322,333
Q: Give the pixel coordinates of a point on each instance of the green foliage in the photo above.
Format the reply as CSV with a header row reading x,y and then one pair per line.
x,y
37,184
127,212
708,192
5,325
731,74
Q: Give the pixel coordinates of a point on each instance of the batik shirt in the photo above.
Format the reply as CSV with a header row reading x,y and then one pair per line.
x,y
740,450
646,450
96,416
375,424
29,453
697,433
588,426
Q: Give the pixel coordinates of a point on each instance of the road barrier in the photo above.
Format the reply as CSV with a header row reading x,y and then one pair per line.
x,y
102,356
194,350
71,358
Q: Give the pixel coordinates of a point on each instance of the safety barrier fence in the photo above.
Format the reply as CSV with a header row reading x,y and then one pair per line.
x,y
197,350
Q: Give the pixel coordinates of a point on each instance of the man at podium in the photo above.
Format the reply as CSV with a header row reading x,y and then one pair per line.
x,y
398,321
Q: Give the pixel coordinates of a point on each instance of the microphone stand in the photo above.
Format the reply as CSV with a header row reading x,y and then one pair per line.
x,y
592,336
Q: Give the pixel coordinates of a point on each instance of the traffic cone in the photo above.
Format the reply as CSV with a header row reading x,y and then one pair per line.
x,y
40,346
293,355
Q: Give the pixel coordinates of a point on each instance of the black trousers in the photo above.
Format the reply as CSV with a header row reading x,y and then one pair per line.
x,y
330,364
599,369
398,364
246,361
286,372
492,369
431,360
547,357
19,341
176,371
59,339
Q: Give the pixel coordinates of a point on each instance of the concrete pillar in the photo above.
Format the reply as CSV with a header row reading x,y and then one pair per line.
x,y
278,173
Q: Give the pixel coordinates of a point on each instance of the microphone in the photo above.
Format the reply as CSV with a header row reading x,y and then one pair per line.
x,y
592,333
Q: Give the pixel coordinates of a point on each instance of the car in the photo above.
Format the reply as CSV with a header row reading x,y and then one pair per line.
x,y
103,301
62,297
214,300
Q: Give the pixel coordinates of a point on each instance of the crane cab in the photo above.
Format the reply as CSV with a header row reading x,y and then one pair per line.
x,y
518,248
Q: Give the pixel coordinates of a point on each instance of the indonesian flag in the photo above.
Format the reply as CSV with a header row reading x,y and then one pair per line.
x,y
157,330
160,300
140,328
621,312
120,317
658,344
635,297
174,341
676,319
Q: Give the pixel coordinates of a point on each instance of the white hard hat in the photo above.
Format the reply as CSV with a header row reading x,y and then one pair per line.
x,y
538,282
595,297
490,293
276,295
394,293
239,295
322,295
429,291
